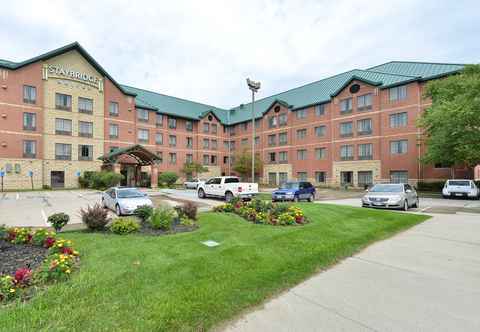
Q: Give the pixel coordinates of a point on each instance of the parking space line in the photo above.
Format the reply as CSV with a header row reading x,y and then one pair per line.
x,y
44,217
425,209
18,196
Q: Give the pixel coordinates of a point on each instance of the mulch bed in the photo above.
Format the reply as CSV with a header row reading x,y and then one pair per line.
x,y
147,230
16,256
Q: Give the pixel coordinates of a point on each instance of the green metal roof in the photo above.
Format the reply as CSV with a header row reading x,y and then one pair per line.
x,y
425,70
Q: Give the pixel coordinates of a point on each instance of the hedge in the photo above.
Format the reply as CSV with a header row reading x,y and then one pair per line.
x,y
99,180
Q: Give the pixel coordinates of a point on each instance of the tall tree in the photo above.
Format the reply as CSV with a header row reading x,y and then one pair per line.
x,y
193,168
452,124
243,164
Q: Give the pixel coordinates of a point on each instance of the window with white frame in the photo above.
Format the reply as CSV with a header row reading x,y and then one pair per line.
x,y
272,140
365,151
63,126
302,176
320,153
158,138
172,158
85,152
283,139
346,105
29,149
172,123
320,110
113,130
282,119
301,133
29,121
85,129
63,151
301,114
29,94
206,143
172,140
63,102
142,115
398,120
399,147
320,176
320,131
159,120
142,135
346,129
364,127
399,176
398,93
113,109
365,178
364,102
85,105
283,157
346,152
302,154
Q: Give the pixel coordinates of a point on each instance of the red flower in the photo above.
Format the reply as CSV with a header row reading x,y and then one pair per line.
x,y
299,220
12,235
22,276
67,251
29,237
49,241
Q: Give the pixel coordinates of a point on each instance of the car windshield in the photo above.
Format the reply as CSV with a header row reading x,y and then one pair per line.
x,y
129,193
459,183
387,188
289,185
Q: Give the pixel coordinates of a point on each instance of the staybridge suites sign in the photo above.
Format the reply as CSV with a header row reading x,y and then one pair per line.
x,y
68,73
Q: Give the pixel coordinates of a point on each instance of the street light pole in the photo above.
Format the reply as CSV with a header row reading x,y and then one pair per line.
x,y
254,87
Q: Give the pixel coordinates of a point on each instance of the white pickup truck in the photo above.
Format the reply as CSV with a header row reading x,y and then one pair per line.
x,y
227,187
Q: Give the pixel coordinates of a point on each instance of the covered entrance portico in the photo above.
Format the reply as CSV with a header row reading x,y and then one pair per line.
x,y
129,162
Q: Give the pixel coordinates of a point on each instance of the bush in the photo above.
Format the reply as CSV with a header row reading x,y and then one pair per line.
x,y
167,178
187,210
44,238
187,222
162,218
100,180
95,217
58,220
143,212
124,225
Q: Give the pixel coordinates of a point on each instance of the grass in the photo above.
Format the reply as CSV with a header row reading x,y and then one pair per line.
x,y
136,283
264,196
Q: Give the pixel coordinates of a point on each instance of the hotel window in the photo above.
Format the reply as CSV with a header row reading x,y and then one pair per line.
x,y
189,158
398,93
320,153
302,176
63,127
85,152
172,123
346,105
29,149
272,122
29,94
399,147
113,131
272,140
320,177
172,158
365,178
206,143
206,159
225,159
365,151
399,176
231,130
301,154
282,177
232,146
29,121
189,142
245,126
113,108
257,141
63,151
364,103
213,160
63,102
244,141
85,105
142,135
85,129
272,178
320,110
172,140
398,120
302,114
160,156
159,120
346,129
301,133
346,152
364,127
214,144
206,127
142,115
282,139
283,157
257,123
320,131
158,138
282,119
188,125
214,128
272,157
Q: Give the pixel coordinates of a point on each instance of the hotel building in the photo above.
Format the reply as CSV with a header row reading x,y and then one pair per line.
x,y
62,114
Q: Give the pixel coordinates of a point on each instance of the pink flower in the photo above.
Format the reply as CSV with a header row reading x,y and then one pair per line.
x,y
49,241
23,276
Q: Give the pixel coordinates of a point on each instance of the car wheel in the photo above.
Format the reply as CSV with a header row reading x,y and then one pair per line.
x,y
228,196
201,193
103,203
311,198
405,205
295,198
415,205
118,211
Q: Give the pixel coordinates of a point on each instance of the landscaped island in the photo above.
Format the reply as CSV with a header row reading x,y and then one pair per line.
x,y
145,283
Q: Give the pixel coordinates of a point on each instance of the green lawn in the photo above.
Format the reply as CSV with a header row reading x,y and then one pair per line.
x,y
136,283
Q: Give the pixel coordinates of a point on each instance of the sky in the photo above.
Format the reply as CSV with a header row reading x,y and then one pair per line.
x,y
205,50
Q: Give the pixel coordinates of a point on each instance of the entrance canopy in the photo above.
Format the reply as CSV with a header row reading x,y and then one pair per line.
x,y
137,152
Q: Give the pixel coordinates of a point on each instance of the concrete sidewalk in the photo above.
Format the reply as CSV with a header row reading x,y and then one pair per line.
x,y
425,279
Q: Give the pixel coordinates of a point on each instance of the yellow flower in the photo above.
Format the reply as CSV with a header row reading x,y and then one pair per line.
x,y
12,290
67,271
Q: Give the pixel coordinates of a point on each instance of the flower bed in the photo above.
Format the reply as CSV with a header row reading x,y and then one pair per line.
x,y
46,259
261,212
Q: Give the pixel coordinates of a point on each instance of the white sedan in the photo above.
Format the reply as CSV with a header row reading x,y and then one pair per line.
x,y
124,200
192,184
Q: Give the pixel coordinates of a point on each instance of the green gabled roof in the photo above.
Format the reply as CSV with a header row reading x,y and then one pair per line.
x,y
424,70
64,49
174,106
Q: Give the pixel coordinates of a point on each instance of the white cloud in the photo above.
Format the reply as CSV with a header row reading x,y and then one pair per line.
x,y
204,50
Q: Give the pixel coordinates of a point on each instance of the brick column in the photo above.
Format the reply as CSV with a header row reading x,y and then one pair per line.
x,y
154,176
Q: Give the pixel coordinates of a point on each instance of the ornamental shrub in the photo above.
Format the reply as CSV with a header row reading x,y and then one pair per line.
x,y
187,222
162,218
187,210
58,220
124,225
143,212
8,290
40,237
167,179
95,217
100,180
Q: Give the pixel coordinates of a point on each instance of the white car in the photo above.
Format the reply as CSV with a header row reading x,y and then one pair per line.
x,y
460,188
227,187
124,200
192,184
391,196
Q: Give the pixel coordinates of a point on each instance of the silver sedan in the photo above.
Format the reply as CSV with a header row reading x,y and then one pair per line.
x,y
391,195
124,200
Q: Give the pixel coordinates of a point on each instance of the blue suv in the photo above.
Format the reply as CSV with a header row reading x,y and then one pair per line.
x,y
294,191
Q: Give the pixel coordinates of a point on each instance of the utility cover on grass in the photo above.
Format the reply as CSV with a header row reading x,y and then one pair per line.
x,y
211,243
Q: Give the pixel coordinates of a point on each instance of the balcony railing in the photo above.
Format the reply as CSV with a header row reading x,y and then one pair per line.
x,y
346,158
364,132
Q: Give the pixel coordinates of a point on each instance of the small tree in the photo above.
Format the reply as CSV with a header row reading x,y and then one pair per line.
x,y
167,178
193,168
243,164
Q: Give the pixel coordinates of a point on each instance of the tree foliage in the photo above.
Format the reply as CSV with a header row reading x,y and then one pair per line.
x,y
243,164
193,168
452,124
